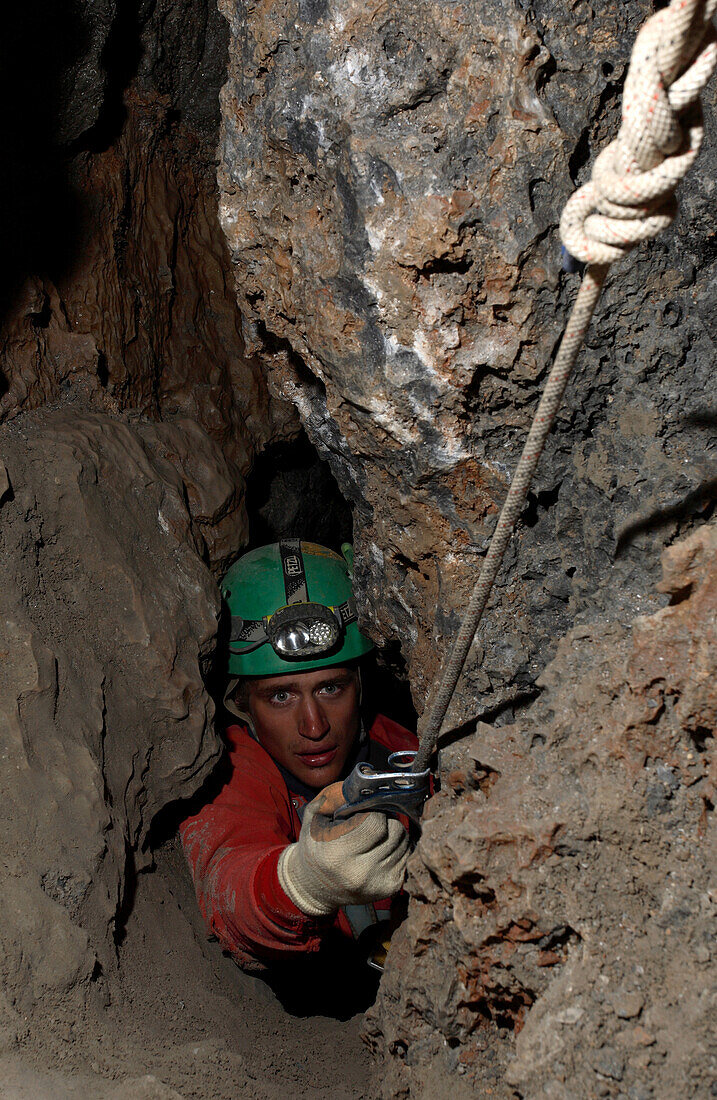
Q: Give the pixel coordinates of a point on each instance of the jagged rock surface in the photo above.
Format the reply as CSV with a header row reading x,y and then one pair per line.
x,y
561,938
391,179
121,295
109,617
116,311
143,318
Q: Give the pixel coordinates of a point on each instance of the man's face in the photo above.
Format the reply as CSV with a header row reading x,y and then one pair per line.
x,y
307,721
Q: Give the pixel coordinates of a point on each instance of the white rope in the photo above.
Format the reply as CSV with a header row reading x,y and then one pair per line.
x,y
630,198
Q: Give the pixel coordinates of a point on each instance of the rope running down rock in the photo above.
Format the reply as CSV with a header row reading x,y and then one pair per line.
x,y
630,198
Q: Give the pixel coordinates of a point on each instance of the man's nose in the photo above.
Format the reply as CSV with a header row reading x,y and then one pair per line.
x,y
313,723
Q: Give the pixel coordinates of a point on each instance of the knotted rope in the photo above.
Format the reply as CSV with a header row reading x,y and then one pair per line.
x,y
630,198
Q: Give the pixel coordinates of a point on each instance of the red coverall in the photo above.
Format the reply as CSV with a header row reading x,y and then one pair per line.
x,y
233,846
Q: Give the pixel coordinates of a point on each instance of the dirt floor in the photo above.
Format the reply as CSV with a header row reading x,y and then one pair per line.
x,y
188,1023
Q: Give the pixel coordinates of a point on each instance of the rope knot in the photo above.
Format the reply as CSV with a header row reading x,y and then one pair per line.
x,y
630,196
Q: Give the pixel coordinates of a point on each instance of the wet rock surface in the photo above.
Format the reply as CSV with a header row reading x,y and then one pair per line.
x,y
560,941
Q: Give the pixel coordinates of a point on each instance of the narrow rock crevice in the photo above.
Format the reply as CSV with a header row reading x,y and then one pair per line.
x,y
323,303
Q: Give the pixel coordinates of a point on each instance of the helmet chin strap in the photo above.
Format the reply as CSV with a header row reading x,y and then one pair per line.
x,y
231,706
247,719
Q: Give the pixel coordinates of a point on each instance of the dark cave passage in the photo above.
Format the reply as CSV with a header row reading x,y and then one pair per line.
x,y
291,493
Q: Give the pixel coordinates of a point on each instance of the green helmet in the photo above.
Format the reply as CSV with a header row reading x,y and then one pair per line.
x,y
291,608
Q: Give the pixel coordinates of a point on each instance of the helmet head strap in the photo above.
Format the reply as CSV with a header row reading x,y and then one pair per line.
x,y
293,570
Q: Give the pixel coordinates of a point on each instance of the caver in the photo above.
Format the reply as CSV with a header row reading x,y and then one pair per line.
x,y
274,872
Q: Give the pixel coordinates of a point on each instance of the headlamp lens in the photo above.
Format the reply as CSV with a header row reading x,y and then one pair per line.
x,y
293,639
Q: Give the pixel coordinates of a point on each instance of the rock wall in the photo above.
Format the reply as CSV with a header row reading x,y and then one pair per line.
x,y
391,178
122,298
108,621
141,317
560,941
130,416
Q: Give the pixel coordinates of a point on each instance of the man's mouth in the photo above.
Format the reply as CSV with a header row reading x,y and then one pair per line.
x,y
317,759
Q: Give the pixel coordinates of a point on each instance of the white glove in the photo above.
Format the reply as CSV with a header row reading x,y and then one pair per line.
x,y
337,863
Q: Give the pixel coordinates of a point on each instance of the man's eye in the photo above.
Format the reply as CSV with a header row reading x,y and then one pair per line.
x,y
331,689
280,697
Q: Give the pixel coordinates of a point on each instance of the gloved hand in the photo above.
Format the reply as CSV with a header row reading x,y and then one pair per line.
x,y
337,863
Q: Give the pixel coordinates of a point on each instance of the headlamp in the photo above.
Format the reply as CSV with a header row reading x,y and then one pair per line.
x,y
303,630
299,630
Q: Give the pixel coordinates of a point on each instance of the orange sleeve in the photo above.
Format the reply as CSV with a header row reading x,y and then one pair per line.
x,y
233,846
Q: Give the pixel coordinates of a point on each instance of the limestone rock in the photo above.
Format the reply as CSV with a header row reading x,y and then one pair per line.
x,y
116,291
562,927
108,621
391,179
